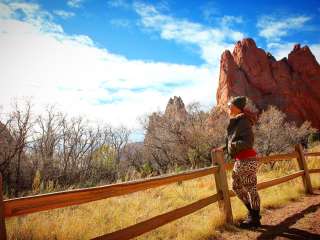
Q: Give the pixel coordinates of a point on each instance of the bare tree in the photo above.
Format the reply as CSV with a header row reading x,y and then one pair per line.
x,y
52,148
74,146
117,138
47,135
7,146
19,128
163,142
205,131
174,143
273,134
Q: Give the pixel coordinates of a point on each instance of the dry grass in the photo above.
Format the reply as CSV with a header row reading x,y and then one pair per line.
x,y
97,218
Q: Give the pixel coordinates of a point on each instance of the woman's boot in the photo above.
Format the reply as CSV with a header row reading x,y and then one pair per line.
x,y
253,220
256,218
245,222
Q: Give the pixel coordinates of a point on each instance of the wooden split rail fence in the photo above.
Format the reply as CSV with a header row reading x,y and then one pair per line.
x,y
31,204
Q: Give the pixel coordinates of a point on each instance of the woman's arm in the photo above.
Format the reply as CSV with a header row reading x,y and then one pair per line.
x,y
223,147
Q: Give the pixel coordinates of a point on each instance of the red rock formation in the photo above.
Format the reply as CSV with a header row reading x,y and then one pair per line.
x,y
293,84
175,109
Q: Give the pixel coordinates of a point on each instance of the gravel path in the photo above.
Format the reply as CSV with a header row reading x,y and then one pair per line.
x,y
296,220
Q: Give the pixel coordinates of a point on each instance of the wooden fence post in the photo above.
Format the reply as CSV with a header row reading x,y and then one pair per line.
x,y
304,166
222,186
3,232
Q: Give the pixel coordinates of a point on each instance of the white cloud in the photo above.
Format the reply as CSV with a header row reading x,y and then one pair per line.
x,y
71,71
315,49
5,11
63,14
118,3
273,28
281,50
211,41
209,11
229,20
163,5
29,13
122,23
75,3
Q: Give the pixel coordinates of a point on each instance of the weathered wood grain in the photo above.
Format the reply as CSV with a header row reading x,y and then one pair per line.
x,y
24,205
267,159
222,186
314,171
155,222
312,154
278,157
303,166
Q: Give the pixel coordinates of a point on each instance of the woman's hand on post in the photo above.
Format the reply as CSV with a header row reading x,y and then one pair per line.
x,y
217,149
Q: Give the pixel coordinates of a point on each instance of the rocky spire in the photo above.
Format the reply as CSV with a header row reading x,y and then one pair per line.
x,y
176,109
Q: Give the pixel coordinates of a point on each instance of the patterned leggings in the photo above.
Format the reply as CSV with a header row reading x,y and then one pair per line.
x,y
245,182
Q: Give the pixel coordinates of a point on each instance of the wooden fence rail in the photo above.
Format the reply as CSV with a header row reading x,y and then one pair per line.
x,y
158,221
26,205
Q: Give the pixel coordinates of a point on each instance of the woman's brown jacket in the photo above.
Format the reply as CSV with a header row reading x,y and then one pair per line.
x,y
239,134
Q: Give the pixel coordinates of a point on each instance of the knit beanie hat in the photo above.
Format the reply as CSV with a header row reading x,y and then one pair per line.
x,y
239,102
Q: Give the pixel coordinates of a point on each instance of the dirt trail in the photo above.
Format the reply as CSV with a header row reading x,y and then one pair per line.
x,y
296,220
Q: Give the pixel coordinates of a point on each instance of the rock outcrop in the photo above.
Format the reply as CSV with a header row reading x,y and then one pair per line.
x,y
175,113
176,109
292,84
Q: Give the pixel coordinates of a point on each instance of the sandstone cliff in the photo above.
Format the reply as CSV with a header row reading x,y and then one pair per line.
x,y
292,84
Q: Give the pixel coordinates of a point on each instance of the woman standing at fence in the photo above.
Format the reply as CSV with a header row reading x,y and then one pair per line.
x,y
239,145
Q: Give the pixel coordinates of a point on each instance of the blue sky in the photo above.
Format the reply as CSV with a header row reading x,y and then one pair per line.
x,y
111,24
116,60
